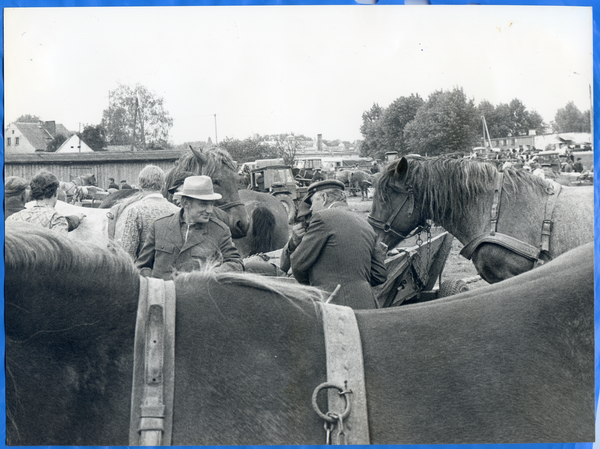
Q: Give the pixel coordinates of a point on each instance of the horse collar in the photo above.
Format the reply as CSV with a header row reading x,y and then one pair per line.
x,y
515,245
151,419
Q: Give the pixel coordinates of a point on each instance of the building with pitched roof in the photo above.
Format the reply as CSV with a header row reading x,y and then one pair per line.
x,y
74,144
32,137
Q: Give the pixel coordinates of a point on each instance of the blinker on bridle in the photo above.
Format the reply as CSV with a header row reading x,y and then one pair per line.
x,y
387,226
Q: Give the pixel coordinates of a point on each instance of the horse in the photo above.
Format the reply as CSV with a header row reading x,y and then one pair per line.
x,y
92,229
266,225
509,222
361,180
516,368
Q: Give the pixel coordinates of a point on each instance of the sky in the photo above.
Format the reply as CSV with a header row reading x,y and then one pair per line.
x,y
229,71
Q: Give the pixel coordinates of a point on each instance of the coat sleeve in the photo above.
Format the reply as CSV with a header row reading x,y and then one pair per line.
x,y
59,224
131,234
232,261
378,269
309,249
146,258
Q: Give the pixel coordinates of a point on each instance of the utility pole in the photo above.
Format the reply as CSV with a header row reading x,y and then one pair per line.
x,y
216,140
79,137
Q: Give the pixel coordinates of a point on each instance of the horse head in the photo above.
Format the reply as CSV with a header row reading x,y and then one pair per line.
x,y
393,213
217,163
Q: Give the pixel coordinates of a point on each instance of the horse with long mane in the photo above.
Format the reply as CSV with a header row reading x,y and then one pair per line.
x,y
516,368
509,221
266,226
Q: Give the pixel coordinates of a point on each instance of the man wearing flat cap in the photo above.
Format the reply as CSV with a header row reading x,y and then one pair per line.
x,y
186,240
337,248
15,195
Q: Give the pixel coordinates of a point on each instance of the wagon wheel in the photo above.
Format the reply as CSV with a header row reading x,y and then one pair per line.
x,y
288,203
452,287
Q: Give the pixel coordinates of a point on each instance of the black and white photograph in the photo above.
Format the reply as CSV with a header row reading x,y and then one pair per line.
x,y
363,224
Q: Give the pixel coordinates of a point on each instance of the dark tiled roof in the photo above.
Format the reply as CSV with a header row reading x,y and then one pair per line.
x,y
36,134
61,129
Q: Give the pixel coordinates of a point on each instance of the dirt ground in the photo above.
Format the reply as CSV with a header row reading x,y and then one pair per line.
x,y
456,265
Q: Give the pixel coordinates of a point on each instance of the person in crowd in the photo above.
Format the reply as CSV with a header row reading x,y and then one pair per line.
x,y
375,168
44,188
124,185
578,166
141,214
185,240
112,184
338,248
15,195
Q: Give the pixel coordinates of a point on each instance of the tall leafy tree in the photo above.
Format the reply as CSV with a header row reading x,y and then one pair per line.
x,y
447,122
136,115
395,118
55,143
373,144
94,136
570,119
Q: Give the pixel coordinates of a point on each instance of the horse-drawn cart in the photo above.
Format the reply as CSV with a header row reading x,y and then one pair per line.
x,y
413,273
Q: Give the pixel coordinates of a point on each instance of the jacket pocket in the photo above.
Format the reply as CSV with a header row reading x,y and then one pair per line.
x,y
165,247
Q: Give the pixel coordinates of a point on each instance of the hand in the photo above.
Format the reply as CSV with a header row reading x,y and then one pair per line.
x,y
298,232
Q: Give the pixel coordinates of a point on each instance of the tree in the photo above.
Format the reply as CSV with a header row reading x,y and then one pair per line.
x,y
94,136
287,146
447,122
395,118
371,129
55,143
28,118
249,149
511,119
569,119
136,115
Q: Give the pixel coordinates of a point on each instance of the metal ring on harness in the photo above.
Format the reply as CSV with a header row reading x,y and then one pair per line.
x,y
327,416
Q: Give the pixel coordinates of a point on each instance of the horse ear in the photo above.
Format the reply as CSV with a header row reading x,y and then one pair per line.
x,y
402,168
202,158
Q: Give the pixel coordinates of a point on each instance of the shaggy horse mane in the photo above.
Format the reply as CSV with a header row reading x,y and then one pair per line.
x,y
290,291
217,157
189,163
445,184
31,248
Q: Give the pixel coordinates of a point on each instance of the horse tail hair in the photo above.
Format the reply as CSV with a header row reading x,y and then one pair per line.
x,y
263,229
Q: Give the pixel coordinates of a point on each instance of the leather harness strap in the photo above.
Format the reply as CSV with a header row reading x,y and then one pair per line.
x,y
154,365
517,246
345,369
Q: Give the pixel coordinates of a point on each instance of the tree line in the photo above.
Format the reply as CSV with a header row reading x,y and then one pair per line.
x,y
449,122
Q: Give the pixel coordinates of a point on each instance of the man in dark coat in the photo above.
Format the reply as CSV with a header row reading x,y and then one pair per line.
x,y
15,195
338,248
112,184
185,240
124,185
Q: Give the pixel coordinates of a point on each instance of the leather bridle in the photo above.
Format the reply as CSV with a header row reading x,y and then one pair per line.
x,y
387,226
231,205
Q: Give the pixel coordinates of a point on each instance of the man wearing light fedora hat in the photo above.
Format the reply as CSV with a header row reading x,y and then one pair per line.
x,y
189,238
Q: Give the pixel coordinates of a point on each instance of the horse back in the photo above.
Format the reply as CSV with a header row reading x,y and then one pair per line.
x,y
509,363
573,219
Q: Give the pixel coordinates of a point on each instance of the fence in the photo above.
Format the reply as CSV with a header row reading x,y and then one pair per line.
x,y
104,165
